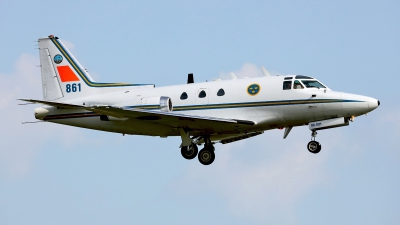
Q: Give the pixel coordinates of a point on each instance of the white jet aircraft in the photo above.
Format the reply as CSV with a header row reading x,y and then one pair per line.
x,y
200,113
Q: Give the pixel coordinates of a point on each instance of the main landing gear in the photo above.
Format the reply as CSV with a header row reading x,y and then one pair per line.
x,y
189,152
206,155
314,146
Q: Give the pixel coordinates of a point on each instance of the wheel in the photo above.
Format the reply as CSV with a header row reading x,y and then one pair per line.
x,y
314,147
189,152
206,156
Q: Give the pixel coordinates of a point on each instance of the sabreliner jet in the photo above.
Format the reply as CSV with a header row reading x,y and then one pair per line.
x,y
222,111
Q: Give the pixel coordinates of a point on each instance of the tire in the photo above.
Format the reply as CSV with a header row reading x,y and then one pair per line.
x,y
314,147
206,156
189,152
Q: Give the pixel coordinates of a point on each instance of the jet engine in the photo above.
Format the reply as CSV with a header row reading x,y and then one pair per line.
x,y
162,103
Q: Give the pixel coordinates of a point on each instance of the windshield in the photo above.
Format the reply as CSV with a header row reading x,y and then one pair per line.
x,y
312,84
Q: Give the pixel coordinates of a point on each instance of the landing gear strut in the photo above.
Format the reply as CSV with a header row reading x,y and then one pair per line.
x,y
314,146
207,155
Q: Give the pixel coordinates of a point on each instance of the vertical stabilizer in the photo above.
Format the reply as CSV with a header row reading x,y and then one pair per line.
x,y
63,78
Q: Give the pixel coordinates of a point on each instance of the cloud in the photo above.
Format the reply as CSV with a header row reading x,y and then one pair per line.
x,y
266,188
21,143
247,70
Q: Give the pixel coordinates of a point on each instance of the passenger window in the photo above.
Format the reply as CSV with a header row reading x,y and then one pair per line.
x,y
184,96
297,85
202,94
287,85
221,92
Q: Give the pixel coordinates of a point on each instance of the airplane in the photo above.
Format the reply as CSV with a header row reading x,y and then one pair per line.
x,y
206,113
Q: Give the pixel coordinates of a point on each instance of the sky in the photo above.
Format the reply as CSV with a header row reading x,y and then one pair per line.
x,y
54,174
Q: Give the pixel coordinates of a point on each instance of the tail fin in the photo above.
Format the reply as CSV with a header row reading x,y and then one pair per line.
x,y
63,78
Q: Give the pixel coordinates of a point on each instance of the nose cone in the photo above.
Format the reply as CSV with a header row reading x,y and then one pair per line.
x,y
356,105
373,103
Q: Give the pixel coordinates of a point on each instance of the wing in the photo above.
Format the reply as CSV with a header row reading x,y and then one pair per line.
x,y
199,124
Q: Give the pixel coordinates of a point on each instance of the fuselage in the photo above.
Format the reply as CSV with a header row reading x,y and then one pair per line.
x,y
268,101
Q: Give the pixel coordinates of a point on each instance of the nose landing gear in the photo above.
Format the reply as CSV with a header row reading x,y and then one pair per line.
x,y
314,146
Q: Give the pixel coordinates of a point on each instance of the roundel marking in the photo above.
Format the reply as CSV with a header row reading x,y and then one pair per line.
x,y
253,89
58,59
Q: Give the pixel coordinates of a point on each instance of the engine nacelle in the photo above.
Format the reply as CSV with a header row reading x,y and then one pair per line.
x,y
163,103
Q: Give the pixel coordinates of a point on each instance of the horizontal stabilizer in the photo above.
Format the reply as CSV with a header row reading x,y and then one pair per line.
x,y
54,104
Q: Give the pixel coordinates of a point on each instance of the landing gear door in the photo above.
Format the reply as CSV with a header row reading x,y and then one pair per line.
x,y
202,96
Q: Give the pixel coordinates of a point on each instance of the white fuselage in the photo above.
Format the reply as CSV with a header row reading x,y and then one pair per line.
x,y
272,107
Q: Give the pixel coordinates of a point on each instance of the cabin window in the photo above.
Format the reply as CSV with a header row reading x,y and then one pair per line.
x,y
184,96
221,92
297,85
202,94
287,85
312,84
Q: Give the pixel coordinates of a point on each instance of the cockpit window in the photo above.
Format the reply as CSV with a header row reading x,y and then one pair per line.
x,y
312,84
303,77
287,85
184,96
297,85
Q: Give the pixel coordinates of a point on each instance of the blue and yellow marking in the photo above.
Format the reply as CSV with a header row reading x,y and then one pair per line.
x,y
253,89
58,59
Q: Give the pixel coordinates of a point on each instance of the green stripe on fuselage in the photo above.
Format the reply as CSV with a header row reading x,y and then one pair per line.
x,y
248,104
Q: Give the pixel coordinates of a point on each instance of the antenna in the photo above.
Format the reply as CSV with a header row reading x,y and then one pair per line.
x,y
190,79
265,72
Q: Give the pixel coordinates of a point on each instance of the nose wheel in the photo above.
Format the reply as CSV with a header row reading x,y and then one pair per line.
x,y
314,146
